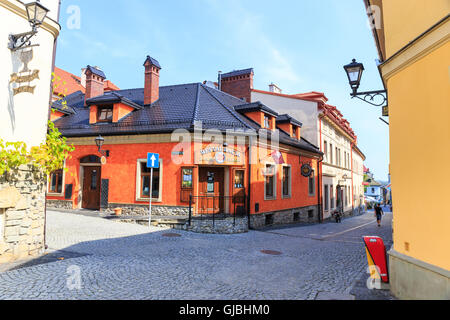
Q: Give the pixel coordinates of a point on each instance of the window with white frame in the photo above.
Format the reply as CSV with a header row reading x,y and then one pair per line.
x,y
270,181
143,184
311,184
286,192
326,196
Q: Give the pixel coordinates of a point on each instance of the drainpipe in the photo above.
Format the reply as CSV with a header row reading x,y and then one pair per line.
x,y
319,165
249,153
319,204
353,185
48,116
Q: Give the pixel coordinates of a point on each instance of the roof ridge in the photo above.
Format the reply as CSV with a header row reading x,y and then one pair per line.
x,y
197,99
228,109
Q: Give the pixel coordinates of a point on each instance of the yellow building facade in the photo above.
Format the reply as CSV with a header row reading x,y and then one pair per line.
x,y
412,39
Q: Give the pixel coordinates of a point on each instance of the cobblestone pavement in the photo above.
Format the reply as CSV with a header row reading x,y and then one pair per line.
x,y
116,260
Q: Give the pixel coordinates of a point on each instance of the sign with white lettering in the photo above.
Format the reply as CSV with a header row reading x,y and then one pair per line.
x,y
219,155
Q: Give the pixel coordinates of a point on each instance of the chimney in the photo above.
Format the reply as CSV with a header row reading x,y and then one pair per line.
x,y
94,82
151,88
238,83
274,88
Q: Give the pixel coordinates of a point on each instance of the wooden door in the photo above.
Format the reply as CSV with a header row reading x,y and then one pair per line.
x,y
91,188
211,191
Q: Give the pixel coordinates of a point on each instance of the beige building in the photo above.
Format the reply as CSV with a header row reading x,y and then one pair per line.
x,y
25,93
358,178
325,126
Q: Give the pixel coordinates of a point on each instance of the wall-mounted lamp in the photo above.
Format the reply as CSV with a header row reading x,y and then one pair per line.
x,y
354,72
36,13
99,141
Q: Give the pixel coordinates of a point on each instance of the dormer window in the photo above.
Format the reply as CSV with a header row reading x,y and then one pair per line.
x,y
105,114
267,123
294,131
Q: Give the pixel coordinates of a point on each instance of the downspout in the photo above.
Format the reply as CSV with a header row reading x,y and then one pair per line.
x,y
49,114
319,173
319,204
249,166
353,185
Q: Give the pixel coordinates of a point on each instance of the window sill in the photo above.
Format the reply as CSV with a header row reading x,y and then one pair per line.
x,y
148,199
286,197
52,194
269,199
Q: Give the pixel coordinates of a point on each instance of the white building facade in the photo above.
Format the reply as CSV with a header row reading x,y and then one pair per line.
x,y
25,94
358,179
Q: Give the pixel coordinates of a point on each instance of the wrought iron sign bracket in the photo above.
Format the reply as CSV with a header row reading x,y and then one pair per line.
x,y
369,97
21,40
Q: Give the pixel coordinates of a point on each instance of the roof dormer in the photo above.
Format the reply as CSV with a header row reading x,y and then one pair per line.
x,y
110,107
290,125
259,113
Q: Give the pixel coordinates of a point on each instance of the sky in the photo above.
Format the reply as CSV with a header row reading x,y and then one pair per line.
x,y
300,45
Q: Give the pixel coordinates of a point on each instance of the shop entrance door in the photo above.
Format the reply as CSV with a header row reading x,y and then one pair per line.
x,y
211,190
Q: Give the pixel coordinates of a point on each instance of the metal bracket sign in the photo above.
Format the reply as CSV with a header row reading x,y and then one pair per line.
x,y
153,163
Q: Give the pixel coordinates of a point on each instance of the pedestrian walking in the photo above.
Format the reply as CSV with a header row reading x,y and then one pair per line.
x,y
378,213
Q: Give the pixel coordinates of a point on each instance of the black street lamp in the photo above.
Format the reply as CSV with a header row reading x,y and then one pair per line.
x,y
354,72
36,13
99,141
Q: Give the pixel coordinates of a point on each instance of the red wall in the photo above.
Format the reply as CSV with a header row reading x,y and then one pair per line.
x,y
121,169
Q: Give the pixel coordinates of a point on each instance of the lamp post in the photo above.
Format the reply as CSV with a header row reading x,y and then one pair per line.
x,y
36,14
99,141
354,72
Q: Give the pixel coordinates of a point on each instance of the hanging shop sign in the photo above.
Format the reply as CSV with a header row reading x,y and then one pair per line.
x,y
306,170
24,77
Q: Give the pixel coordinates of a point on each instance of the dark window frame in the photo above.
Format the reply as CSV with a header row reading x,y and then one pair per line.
x,y
109,113
59,182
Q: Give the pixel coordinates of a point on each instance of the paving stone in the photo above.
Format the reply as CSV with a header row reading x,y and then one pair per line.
x,y
115,260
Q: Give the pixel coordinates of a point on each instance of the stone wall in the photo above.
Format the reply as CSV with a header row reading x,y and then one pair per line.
x,y
142,210
296,215
60,204
218,226
22,211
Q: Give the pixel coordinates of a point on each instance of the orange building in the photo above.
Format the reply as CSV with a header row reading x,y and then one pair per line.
x,y
218,154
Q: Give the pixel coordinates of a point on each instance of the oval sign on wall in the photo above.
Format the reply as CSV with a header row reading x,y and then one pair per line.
x,y
306,170
103,160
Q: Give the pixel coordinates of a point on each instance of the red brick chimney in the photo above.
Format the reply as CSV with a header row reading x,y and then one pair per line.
x,y
238,83
94,82
151,88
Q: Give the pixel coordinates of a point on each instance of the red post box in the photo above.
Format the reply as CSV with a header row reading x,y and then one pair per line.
x,y
376,256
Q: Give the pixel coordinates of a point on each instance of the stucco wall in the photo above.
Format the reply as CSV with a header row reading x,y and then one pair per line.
x,y
302,110
25,113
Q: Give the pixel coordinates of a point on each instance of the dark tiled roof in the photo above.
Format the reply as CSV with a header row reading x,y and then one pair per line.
x,y
255,106
287,118
178,107
152,61
111,98
237,73
96,71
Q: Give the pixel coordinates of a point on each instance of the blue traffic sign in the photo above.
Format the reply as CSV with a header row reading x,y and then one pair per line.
x,y
153,160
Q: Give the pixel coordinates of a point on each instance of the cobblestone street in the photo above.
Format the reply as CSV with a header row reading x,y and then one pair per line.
x,y
126,261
